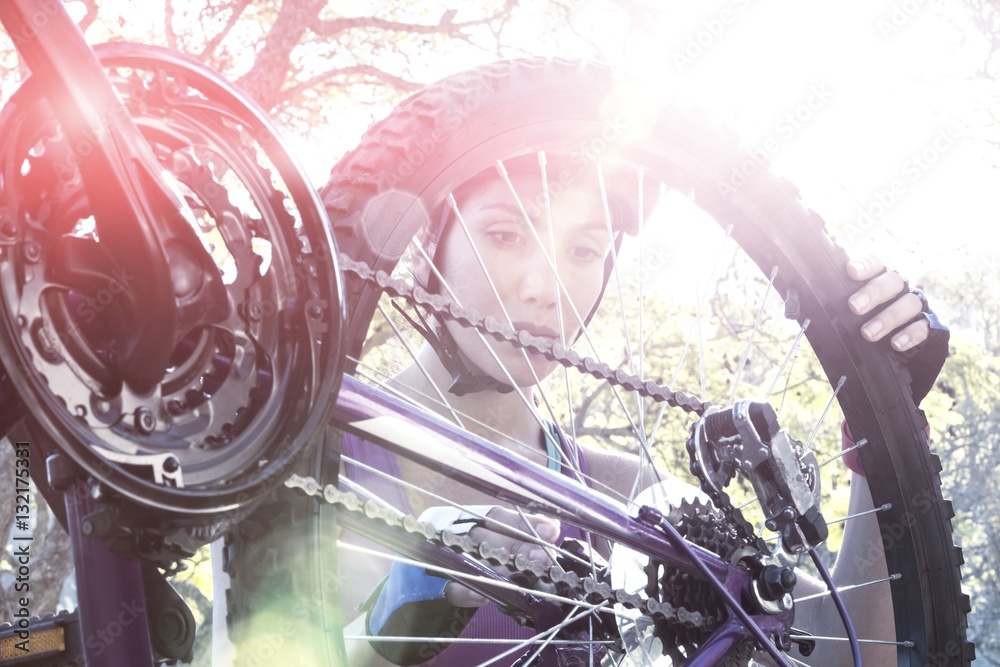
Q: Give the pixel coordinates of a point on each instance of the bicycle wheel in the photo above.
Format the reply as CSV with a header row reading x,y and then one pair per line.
x,y
711,293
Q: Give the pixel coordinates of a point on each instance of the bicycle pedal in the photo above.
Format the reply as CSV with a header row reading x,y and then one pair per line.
x,y
42,641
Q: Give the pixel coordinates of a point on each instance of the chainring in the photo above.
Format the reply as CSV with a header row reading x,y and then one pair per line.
x,y
241,396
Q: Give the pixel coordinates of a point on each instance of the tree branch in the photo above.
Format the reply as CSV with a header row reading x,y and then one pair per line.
x,y
606,432
213,43
272,65
985,17
337,26
89,16
367,71
168,23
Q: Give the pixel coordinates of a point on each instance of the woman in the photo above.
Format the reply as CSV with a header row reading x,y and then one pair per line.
x,y
544,269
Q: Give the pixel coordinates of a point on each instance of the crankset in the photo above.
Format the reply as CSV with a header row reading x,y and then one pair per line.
x,y
253,359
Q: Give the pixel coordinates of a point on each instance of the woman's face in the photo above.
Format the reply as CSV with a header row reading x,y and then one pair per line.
x,y
514,281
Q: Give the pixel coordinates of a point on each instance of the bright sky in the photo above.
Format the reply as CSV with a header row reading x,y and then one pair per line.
x,y
877,100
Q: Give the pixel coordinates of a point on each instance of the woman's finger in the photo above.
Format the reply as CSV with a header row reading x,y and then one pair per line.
x,y
512,524
911,335
880,289
895,315
506,529
458,595
865,268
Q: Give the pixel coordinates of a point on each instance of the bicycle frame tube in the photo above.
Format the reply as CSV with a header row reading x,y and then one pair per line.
x,y
10,408
114,623
431,441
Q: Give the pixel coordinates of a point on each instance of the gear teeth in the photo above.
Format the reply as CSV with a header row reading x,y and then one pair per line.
x,y
685,630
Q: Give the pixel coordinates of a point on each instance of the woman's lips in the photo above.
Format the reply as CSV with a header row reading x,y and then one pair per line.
x,y
537,330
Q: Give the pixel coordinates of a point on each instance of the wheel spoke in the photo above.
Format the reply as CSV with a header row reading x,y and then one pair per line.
x,y
440,398
882,508
532,536
577,608
511,150
858,445
566,458
792,352
826,411
700,299
753,333
465,576
842,589
372,375
906,644
547,635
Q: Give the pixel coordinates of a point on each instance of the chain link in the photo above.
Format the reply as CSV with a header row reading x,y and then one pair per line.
x,y
569,583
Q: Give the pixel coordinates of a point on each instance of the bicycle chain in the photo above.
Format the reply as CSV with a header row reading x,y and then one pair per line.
x,y
566,583
444,307
441,305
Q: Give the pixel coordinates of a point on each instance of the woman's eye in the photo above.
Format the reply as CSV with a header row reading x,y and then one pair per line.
x,y
504,237
585,254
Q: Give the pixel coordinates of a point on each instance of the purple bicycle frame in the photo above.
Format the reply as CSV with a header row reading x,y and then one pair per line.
x,y
441,446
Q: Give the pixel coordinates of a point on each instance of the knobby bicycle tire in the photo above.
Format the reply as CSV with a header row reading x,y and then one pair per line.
x,y
380,194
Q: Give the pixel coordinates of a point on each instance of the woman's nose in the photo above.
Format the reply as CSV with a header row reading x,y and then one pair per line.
x,y
538,282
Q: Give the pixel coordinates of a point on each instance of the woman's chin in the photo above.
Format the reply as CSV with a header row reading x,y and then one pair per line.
x,y
524,373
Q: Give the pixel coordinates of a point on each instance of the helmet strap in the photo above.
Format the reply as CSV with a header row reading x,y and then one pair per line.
x,y
464,381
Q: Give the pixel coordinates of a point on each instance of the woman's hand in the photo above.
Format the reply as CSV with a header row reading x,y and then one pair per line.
x,y
508,530
901,313
904,307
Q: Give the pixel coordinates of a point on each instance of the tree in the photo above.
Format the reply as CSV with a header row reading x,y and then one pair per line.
x,y
984,18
